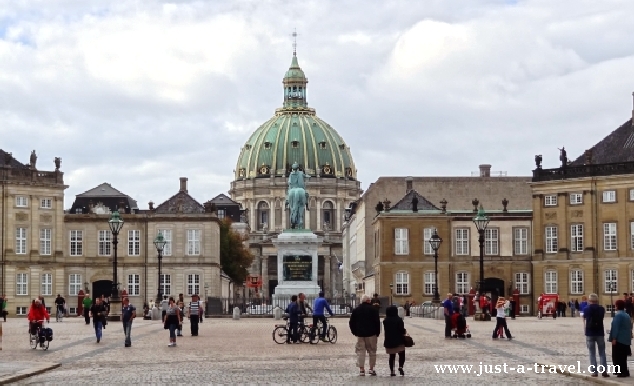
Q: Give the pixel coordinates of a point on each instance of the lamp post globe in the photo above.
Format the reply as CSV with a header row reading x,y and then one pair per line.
x,y
116,224
159,243
434,242
481,222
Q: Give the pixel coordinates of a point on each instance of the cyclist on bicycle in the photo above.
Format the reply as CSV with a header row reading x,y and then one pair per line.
x,y
60,303
37,314
318,315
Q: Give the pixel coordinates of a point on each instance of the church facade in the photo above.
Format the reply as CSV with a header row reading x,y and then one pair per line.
x,y
295,135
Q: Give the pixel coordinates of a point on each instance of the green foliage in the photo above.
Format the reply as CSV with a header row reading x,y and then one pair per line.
x,y
235,258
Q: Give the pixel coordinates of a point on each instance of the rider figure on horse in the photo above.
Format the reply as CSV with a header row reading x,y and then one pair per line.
x,y
297,197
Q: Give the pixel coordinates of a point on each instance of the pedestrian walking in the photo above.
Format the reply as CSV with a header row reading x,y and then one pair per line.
x,y
87,303
128,313
172,320
376,302
407,307
365,324
448,310
98,312
593,315
193,313
4,307
621,339
501,319
394,341
181,310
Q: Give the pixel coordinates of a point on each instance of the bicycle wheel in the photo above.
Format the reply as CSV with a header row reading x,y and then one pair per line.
x,y
304,335
314,336
280,334
33,341
332,335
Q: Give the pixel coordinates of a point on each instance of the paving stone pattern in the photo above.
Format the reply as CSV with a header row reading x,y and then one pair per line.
x,y
243,352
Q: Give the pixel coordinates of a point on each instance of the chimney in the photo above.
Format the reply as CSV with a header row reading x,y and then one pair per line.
x,y
485,170
183,184
588,156
408,184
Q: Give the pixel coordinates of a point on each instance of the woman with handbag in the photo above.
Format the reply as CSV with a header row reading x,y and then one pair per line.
x,y
394,343
171,320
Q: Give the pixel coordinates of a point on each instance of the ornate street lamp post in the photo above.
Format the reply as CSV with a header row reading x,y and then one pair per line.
x,y
435,242
612,290
115,223
481,221
159,243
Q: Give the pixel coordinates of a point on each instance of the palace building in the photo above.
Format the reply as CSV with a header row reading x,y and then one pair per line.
x,y
295,134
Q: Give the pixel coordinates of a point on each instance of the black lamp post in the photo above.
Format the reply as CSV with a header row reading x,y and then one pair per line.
x,y
612,289
481,221
115,223
435,242
391,286
159,243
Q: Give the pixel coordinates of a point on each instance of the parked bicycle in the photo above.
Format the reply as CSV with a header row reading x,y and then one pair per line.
x,y
330,336
41,338
281,333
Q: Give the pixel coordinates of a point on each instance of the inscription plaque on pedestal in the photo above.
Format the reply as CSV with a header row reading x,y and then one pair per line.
x,y
298,267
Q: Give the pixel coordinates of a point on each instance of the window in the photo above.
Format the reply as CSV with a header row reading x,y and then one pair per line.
x,y
430,282
79,210
134,243
72,310
22,284
551,240
20,241
134,285
167,236
328,217
193,284
550,200
609,307
521,241
609,236
576,282
550,282
221,214
609,196
45,241
295,144
267,145
632,235
576,235
47,284
522,283
631,194
263,215
76,243
166,285
322,145
610,281
402,283
20,201
193,242
46,203
524,309
462,283
462,241
491,241
105,243
427,233
400,241
20,311
74,284
576,198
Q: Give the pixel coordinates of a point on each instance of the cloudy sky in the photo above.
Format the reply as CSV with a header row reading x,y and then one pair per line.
x,y
139,93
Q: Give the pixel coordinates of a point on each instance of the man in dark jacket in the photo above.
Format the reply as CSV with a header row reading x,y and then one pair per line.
x,y
303,306
293,312
593,316
365,324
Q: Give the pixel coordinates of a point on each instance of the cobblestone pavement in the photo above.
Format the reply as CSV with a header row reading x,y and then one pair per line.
x,y
243,352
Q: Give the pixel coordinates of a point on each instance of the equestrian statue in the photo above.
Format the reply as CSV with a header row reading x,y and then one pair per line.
x,y
297,197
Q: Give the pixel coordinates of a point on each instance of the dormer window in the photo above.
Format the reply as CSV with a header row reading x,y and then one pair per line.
x,y
242,172
295,144
322,145
267,145
248,147
342,146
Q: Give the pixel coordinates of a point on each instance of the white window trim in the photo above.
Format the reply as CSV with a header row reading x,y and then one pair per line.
x,y
573,290
134,242
614,279
462,241
189,286
104,244
631,194
46,203
522,239
431,282
609,196
46,286
46,242
402,283
401,242
576,198
167,236
19,203
610,241
134,286
74,286
550,285
519,284
576,238
466,284
492,242
525,309
21,241
166,284
550,200
78,242
552,247
21,284
193,242
427,234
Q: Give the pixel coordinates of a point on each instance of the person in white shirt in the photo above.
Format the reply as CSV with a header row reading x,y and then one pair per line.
x,y
501,319
201,306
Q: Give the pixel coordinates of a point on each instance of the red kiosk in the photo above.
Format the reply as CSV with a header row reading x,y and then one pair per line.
x,y
254,281
547,304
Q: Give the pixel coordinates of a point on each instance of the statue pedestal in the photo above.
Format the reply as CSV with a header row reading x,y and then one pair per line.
x,y
297,263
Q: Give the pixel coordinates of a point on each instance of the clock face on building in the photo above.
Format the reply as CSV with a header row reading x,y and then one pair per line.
x,y
264,170
327,170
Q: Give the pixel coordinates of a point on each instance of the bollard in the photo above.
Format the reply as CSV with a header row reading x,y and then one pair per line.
x,y
236,313
278,313
1,323
401,312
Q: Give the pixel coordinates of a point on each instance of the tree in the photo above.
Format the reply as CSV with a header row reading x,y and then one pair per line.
x,y
235,258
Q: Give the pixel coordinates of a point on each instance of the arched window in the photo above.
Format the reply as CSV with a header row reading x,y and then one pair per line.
x,y
328,216
263,215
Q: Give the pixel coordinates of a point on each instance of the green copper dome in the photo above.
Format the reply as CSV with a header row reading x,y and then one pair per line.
x,y
295,134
